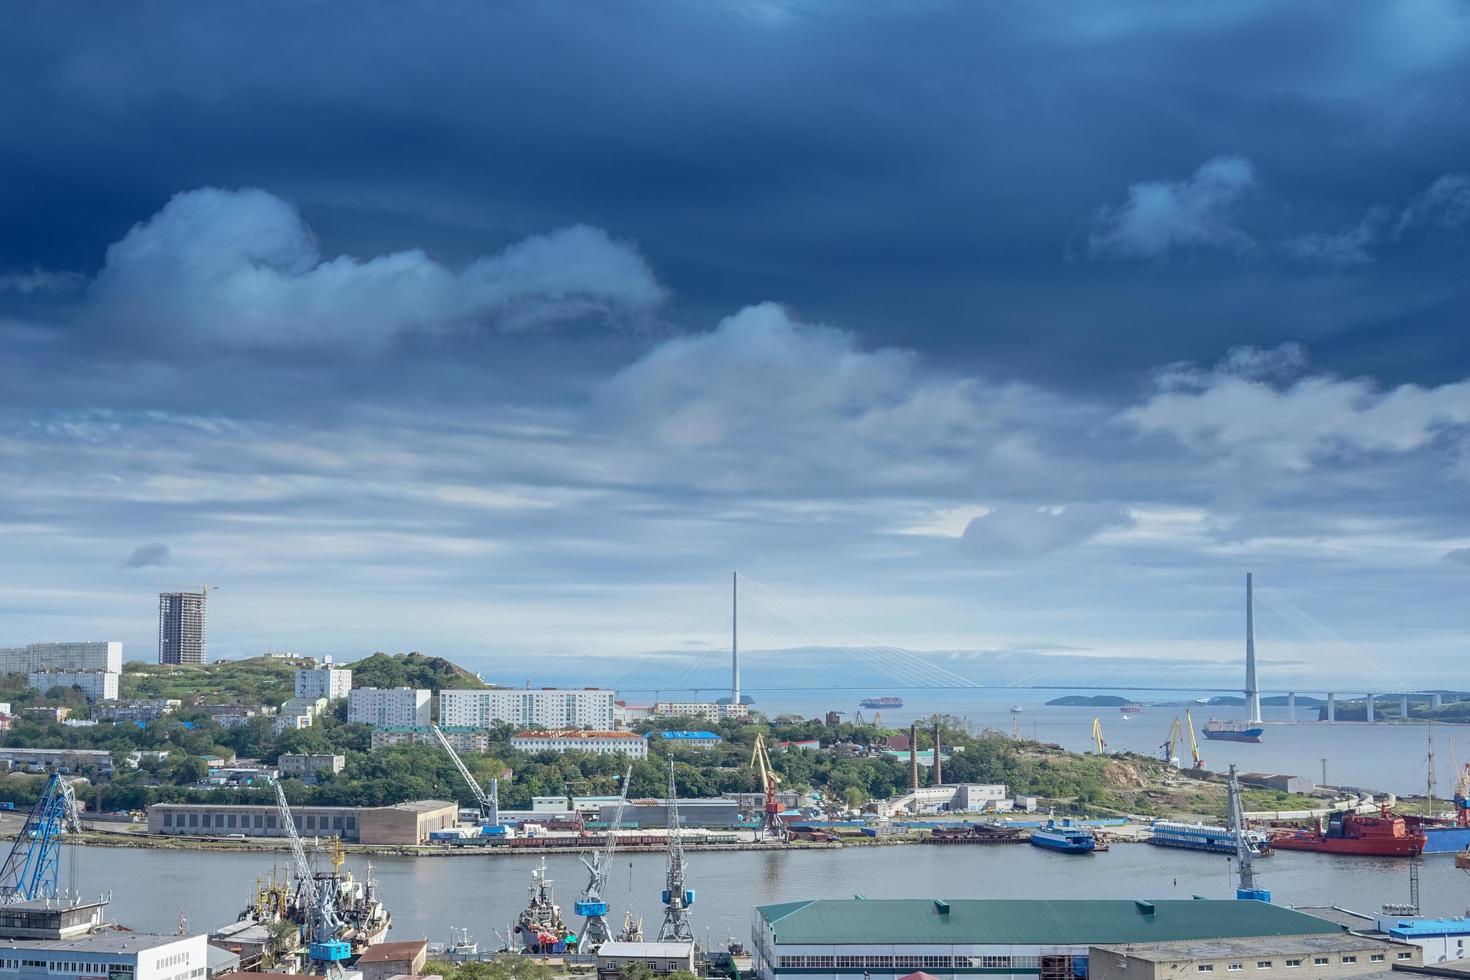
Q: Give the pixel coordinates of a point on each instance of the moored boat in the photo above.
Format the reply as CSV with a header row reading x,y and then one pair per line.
x,y
1064,836
1382,835
539,927
1203,837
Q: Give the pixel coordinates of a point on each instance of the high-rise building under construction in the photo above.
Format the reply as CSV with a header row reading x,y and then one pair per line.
x,y
181,627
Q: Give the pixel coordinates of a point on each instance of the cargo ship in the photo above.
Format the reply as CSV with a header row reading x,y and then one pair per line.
x,y
1234,731
1202,837
886,702
1382,835
1064,836
1131,708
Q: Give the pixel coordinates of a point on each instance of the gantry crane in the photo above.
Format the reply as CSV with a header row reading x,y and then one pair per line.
x,y
1245,849
1169,751
676,897
32,870
593,907
324,944
489,803
1098,744
1199,764
771,823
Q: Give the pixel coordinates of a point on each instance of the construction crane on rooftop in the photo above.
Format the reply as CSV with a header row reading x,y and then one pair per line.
x,y
593,907
771,826
324,944
489,803
33,868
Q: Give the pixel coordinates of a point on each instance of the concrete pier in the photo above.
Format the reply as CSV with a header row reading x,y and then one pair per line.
x,y
1291,706
1331,706
1369,699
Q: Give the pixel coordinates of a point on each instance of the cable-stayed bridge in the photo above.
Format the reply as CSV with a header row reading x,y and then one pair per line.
x,y
776,643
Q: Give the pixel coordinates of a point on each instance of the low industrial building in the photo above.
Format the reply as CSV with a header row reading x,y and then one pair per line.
x,y
70,760
714,813
1323,957
308,766
688,740
1278,781
882,939
131,955
575,740
393,959
402,823
660,958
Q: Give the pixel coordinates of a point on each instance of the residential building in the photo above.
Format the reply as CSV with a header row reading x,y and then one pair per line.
x,y
1020,939
624,714
544,708
703,710
298,713
144,710
576,740
117,955
387,960
660,958
401,823
56,713
462,738
1322,957
230,715
308,766
97,685
380,706
103,655
71,760
325,681
181,628
689,740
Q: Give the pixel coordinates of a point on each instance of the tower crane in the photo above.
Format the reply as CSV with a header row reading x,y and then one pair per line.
x,y
32,869
324,944
1097,740
489,803
593,907
676,897
1170,749
771,822
1199,764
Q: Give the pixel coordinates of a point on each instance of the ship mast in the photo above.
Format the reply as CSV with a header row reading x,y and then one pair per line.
x,y
1252,693
676,899
1245,851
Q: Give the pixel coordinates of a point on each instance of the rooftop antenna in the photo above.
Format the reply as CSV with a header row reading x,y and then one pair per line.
x,y
1245,850
676,898
1252,694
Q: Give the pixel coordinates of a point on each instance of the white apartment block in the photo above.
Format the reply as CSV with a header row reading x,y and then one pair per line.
x,y
588,708
35,657
601,743
461,739
97,685
379,706
298,713
703,710
323,682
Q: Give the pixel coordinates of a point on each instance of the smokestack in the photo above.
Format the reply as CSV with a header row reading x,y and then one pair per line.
x,y
914,756
938,767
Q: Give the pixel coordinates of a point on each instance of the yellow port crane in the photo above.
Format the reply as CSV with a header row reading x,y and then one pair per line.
x,y
1170,749
1097,740
1193,742
771,822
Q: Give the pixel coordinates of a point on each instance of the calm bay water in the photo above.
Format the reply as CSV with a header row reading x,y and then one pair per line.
x,y
428,896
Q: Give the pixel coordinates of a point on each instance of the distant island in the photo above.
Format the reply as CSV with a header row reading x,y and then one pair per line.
x,y
1089,701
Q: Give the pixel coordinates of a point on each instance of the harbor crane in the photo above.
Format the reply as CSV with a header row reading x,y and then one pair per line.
x,y
489,803
1245,850
1199,764
676,897
324,944
32,870
1169,750
593,907
772,826
1098,745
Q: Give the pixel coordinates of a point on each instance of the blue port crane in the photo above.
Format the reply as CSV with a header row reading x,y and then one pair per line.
x,y
32,869
325,946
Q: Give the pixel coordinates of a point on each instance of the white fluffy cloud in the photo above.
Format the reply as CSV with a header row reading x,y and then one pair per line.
x,y
1239,410
1445,205
1159,217
1026,532
241,268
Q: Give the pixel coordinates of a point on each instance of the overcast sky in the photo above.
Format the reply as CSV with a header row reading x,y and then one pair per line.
x,y
506,331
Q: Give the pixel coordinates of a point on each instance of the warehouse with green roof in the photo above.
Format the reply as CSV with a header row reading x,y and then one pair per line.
x,y
1028,939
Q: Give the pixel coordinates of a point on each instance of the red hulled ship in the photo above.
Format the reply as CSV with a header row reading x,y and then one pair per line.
x,y
1382,835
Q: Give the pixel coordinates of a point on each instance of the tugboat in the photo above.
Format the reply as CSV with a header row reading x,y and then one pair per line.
x,y
540,926
1064,836
1384,835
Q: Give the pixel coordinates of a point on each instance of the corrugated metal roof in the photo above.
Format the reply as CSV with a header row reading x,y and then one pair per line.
x,y
1031,921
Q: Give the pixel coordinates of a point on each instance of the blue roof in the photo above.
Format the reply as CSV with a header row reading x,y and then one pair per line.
x,y
1430,927
686,735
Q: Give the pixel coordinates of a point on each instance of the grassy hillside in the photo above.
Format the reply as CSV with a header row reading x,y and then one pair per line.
x,y
270,680
411,670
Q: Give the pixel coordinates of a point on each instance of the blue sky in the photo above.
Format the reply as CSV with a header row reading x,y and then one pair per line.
x,y
505,332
